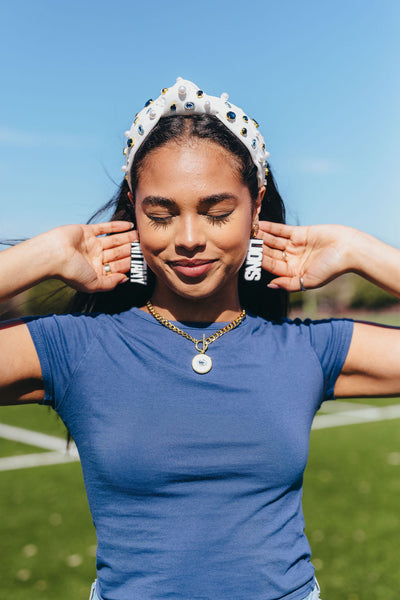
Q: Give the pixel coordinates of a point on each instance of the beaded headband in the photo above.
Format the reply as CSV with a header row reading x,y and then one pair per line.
x,y
185,98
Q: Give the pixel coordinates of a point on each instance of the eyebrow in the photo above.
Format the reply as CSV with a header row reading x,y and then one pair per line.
x,y
158,201
210,201
204,203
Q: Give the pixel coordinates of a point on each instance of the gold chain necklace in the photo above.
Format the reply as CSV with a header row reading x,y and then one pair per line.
x,y
201,363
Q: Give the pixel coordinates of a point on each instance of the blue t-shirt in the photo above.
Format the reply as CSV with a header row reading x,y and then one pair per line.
x,y
194,481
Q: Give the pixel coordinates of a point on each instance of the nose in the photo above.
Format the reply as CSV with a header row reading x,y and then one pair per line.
x,y
190,235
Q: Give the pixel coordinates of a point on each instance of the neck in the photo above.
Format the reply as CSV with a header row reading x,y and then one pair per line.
x,y
206,310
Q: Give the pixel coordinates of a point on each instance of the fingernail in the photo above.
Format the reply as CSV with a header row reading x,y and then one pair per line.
x,y
273,286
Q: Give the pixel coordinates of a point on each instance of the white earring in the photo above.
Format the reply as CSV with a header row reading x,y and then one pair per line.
x,y
138,272
252,268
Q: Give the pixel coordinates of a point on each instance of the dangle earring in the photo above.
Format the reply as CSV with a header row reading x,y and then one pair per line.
x,y
138,272
252,268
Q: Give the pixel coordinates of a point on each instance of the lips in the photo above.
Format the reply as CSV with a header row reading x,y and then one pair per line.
x,y
191,268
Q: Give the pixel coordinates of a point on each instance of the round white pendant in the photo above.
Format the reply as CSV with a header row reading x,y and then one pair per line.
x,y
201,363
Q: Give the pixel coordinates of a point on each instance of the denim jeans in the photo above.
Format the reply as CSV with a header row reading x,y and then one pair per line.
x,y
314,595
93,595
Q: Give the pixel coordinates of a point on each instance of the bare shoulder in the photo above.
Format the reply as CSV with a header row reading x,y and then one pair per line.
x,y
20,370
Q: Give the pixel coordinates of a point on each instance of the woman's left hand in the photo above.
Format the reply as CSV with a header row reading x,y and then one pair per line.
x,y
316,253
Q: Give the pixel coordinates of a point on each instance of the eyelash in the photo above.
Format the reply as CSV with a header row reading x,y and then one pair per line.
x,y
219,219
160,222
163,222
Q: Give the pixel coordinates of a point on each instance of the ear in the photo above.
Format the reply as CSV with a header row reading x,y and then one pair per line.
x,y
258,201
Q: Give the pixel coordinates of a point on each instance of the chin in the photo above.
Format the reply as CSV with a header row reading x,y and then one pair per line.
x,y
204,289
194,292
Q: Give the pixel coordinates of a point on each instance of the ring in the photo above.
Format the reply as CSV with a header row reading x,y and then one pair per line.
x,y
303,289
107,269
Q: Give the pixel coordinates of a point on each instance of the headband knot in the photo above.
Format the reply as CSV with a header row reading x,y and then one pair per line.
x,y
185,98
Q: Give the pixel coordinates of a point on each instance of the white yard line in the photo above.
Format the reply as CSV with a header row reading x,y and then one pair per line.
x,y
361,415
335,406
33,438
59,453
26,461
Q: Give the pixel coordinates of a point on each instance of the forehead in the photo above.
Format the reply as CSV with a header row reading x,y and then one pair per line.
x,y
195,161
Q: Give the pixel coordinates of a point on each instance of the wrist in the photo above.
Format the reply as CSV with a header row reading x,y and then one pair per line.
x,y
26,264
42,255
361,249
51,253
377,262
349,244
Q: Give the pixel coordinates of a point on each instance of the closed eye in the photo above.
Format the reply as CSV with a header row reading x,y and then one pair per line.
x,y
158,221
219,219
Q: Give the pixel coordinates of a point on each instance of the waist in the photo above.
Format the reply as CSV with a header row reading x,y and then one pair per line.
x,y
313,595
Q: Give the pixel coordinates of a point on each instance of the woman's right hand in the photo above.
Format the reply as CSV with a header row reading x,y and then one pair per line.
x,y
81,251
76,254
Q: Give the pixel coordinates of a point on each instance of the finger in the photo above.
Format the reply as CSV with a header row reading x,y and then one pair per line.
x,y
279,229
118,239
110,227
109,282
273,253
120,252
277,267
120,266
274,241
290,284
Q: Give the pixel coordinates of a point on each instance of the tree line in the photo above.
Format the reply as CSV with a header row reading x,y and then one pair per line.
x,y
348,293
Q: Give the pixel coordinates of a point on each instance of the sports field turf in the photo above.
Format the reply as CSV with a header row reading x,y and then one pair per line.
x,y
351,505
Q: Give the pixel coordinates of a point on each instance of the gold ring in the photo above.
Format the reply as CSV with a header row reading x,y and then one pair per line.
x,y
107,269
284,255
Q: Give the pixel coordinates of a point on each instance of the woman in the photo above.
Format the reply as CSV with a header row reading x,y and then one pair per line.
x,y
191,417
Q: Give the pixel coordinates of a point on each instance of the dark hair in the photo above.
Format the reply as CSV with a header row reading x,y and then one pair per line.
x,y
256,297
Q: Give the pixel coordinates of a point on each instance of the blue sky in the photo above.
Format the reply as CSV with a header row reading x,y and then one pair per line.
x,y
322,78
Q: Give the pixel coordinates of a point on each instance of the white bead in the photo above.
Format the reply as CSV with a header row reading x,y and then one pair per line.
x,y
207,105
224,96
178,79
124,169
182,90
127,134
152,114
267,154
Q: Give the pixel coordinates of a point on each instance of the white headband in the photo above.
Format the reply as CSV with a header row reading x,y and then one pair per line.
x,y
185,98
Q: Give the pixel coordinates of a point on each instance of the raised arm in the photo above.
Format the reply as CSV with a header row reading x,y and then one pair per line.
x,y
75,254
313,256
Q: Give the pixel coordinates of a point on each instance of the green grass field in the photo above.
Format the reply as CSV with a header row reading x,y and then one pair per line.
x,y
47,540
351,506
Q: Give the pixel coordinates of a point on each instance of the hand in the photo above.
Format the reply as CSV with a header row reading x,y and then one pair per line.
x,y
317,253
82,254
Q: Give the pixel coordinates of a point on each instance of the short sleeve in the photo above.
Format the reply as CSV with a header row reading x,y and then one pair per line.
x,y
330,340
61,343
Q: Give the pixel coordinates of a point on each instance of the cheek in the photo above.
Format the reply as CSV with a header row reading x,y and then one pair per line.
x,y
235,238
152,246
233,246
152,239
